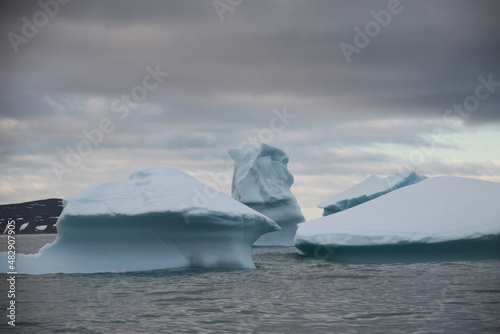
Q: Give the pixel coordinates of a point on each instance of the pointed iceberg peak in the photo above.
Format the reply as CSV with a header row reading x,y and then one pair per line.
x,y
262,181
373,177
369,189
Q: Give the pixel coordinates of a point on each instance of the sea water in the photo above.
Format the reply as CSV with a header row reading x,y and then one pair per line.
x,y
287,293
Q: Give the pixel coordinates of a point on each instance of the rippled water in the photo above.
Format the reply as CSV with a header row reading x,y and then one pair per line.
x,y
288,293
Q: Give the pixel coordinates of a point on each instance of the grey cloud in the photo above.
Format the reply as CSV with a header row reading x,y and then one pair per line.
x,y
226,77
108,45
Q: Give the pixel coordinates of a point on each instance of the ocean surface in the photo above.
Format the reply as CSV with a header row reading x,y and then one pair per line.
x,y
287,293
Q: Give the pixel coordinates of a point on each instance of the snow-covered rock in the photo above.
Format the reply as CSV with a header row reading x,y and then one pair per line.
x,y
28,216
158,218
261,180
367,190
438,219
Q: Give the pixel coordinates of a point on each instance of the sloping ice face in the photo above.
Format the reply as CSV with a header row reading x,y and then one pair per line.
x,y
262,181
158,218
367,190
438,219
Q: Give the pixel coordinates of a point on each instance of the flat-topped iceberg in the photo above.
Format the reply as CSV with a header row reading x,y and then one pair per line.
x,y
438,219
261,180
152,220
369,189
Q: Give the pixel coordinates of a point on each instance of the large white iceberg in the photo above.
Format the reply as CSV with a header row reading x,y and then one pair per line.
x,y
261,180
438,219
367,190
158,218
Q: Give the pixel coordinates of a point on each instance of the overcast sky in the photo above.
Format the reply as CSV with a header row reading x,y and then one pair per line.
x,y
345,88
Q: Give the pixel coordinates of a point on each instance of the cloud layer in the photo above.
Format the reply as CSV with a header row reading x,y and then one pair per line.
x,y
353,115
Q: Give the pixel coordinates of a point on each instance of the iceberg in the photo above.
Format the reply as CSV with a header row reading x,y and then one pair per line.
x,y
261,180
367,190
158,218
438,219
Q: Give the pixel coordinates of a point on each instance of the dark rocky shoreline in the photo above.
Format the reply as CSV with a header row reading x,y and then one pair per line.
x,y
35,217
